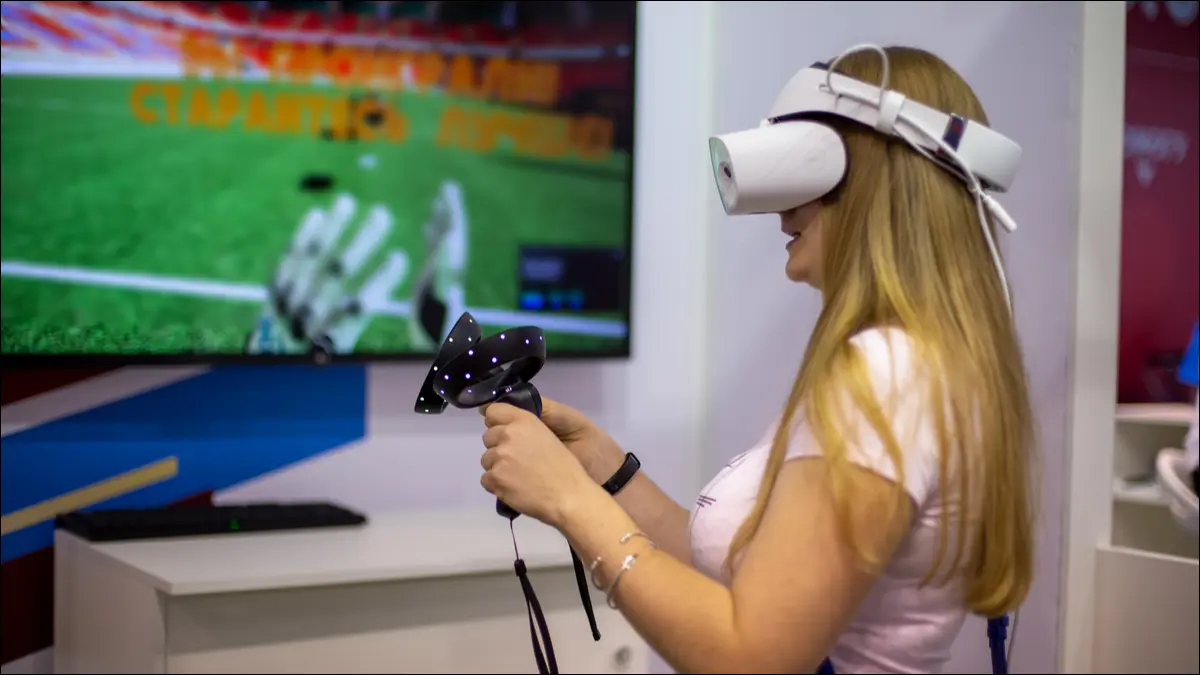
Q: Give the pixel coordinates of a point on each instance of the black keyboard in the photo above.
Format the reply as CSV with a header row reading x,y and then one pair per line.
x,y
189,521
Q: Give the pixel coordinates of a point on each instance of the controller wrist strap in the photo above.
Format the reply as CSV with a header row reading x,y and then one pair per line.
x,y
613,485
546,663
543,650
543,653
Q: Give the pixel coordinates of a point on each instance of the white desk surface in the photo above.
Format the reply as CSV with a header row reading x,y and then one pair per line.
x,y
388,548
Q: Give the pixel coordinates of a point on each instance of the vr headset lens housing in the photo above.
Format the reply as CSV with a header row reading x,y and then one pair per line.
x,y
776,167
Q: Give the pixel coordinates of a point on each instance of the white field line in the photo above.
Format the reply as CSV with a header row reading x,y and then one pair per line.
x,y
202,288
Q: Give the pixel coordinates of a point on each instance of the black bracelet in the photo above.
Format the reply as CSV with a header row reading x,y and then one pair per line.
x,y
623,475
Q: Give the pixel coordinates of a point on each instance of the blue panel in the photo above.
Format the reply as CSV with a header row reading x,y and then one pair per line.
x,y
226,427
1188,368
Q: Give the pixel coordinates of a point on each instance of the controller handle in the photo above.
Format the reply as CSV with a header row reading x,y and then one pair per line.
x,y
526,397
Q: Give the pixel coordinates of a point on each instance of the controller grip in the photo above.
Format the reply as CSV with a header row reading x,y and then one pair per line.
x,y
506,510
526,397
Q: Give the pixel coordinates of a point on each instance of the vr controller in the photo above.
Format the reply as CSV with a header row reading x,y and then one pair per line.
x,y
470,370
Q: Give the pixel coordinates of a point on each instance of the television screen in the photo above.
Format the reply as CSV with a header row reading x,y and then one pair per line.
x,y
204,180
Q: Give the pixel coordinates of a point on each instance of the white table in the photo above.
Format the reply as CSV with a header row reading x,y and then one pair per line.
x,y
430,592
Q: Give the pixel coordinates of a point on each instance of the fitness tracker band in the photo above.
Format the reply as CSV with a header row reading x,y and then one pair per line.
x,y
623,475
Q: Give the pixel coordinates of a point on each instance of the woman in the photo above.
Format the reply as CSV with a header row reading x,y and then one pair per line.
x,y
890,500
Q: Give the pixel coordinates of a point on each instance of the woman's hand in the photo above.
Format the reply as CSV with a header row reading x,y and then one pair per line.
x,y
527,467
596,450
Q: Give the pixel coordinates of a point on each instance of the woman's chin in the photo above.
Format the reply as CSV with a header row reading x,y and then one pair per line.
x,y
795,272
801,275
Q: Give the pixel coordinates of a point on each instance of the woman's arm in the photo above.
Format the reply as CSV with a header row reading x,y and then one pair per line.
x,y
655,513
796,588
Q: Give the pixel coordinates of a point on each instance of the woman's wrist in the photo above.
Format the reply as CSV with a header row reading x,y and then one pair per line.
x,y
579,507
607,460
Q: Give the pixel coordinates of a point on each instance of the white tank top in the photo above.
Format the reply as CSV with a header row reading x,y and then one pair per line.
x,y
900,627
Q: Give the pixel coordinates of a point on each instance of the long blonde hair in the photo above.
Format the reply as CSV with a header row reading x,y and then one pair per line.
x,y
902,247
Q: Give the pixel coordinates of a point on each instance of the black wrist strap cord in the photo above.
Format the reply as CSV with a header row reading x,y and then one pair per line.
x,y
546,663
584,595
543,650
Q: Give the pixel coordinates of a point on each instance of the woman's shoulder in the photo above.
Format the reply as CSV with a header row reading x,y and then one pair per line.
x,y
885,342
890,354
893,365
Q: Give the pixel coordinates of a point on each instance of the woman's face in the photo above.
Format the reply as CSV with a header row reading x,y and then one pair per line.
x,y
803,226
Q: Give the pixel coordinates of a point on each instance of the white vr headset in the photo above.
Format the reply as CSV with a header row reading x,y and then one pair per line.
x,y
792,158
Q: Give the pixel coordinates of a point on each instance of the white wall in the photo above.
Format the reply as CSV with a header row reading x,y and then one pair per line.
x,y
1023,61
1097,290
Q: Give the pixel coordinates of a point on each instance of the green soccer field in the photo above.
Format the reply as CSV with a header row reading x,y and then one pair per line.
x,y
102,207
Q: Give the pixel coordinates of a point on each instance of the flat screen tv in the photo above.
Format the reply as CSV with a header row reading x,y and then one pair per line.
x,y
220,181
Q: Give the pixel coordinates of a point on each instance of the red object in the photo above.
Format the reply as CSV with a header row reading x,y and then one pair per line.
x,y
52,26
1160,274
235,12
22,384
